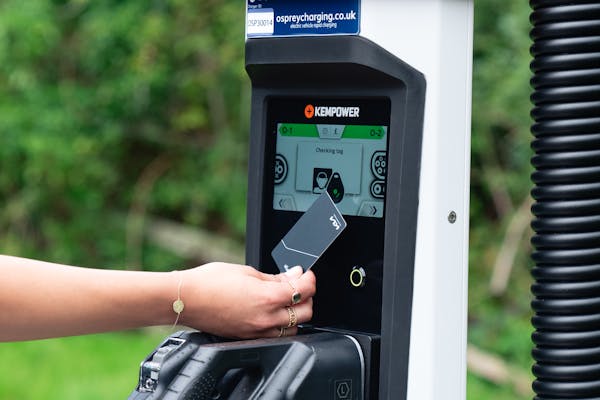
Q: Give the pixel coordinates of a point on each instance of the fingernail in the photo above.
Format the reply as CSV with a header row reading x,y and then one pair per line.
x,y
295,271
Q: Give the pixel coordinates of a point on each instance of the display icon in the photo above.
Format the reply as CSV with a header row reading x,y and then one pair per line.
x,y
378,189
281,169
284,202
321,178
335,188
372,209
379,164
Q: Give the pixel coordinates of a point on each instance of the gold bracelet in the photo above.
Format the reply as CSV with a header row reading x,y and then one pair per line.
x,y
178,305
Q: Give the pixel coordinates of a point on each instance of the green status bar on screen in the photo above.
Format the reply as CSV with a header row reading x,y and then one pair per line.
x,y
371,132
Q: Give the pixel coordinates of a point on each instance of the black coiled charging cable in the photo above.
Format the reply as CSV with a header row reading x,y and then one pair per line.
x,y
566,82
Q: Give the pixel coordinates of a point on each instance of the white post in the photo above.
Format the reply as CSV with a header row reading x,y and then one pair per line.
x,y
435,37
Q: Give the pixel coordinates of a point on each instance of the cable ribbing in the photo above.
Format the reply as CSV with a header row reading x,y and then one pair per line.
x,y
566,129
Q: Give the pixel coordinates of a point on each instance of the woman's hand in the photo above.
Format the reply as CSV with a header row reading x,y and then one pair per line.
x,y
42,300
238,301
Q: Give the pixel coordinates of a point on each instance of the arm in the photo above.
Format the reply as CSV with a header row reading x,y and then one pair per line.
x,y
41,300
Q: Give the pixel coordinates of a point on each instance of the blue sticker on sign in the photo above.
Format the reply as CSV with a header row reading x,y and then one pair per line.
x,y
308,17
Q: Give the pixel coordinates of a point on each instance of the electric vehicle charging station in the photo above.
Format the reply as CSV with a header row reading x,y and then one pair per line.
x,y
370,101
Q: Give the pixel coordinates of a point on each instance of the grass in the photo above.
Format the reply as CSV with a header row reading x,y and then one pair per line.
x,y
94,367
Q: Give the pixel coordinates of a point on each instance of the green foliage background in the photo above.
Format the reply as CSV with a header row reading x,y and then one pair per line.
x,y
96,96
113,109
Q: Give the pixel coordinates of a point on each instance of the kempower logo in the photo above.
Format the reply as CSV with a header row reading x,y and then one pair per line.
x,y
309,111
331,111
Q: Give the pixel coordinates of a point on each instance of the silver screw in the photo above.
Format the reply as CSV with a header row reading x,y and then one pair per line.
x,y
452,217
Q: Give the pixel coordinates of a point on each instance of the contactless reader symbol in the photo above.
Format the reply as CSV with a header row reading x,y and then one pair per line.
x,y
379,164
335,188
281,169
321,178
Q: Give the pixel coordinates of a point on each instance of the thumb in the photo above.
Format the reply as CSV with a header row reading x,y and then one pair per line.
x,y
295,272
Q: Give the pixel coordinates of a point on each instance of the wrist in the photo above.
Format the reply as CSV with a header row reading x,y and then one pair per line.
x,y
157,309
178,305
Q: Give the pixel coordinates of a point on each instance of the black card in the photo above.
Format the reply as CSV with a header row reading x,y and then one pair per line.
x,y
308,239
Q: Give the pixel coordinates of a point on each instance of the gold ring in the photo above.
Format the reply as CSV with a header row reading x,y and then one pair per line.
x,y
281,331
296,296
293,318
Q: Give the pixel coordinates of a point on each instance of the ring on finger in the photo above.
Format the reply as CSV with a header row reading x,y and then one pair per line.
x,y
292,315
281,331
296,296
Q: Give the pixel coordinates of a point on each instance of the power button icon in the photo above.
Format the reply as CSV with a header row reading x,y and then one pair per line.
x,y
343,389
357,277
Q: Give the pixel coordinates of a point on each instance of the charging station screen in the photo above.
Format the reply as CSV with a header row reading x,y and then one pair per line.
x,y
334,146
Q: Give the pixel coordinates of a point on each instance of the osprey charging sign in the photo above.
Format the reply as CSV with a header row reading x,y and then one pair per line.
x,y
267,18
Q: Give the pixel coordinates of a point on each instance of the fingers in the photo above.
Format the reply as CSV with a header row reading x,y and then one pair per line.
x,y
305,284
275,332
295,315
285,321
267,277
292,316
288,283
306,280
286,301
279,332
246,270
287,312
281,294
289,318
293,273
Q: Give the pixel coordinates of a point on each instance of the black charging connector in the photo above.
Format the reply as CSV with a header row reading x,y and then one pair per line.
x,y
189,365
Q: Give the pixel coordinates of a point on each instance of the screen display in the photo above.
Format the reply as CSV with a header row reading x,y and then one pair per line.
x,y
339,145
337,153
